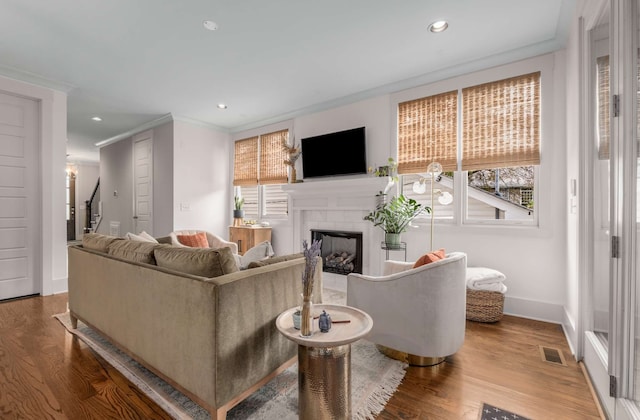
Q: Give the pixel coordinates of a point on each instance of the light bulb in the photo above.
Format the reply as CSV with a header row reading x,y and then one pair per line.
x,y
445,198
419,187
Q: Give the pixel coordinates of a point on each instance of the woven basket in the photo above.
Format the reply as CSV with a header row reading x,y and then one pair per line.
x,y
484,306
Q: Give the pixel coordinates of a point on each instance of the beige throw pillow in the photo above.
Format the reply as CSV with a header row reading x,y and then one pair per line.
x,y
203,262
97,241
135,251
274,260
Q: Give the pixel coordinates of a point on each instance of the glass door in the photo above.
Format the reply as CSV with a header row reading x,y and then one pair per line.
x,y
624,349
611,350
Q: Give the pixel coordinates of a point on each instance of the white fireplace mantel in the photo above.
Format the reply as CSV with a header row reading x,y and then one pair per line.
x,y
352,187
337,204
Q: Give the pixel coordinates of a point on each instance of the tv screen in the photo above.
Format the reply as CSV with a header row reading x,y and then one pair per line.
x,y
340,153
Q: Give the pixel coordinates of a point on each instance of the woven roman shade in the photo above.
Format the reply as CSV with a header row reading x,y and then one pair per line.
x,y
501,123
245,167
272,156
427,132
604,93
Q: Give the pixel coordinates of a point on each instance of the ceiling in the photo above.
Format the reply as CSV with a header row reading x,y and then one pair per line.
x,y
133,62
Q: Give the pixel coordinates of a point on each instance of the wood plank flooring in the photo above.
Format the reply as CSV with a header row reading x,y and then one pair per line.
x,y
47,373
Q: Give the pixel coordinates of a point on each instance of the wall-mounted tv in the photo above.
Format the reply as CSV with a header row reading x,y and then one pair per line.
x,y
340,153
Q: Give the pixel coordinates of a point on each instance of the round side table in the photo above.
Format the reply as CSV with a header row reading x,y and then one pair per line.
x,y
324,360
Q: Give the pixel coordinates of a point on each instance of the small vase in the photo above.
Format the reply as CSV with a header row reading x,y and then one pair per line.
x,y
392,240
306,318
296,320
292,176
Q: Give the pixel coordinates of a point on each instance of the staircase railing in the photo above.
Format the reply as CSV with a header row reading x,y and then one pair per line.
x,y
92,208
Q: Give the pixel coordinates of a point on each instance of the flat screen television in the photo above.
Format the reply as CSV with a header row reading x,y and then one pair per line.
x,y
340,153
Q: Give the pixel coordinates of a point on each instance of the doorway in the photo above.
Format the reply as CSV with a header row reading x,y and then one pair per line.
x,y
71,203
143,182
19,196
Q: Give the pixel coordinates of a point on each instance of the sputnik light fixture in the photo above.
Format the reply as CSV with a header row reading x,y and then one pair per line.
x,y
434,170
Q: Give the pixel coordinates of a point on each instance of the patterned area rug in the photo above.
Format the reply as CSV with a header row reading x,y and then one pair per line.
x,y
489,412
374,379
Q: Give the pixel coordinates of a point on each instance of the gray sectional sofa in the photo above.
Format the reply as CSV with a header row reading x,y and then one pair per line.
x,y
189,315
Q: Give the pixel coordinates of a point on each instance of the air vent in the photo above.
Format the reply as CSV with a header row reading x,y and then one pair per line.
x,y
552,355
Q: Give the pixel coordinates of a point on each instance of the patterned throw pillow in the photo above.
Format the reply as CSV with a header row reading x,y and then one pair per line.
x,y
430,257
198,240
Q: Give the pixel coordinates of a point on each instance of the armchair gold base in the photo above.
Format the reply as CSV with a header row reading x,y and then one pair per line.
x,y
412,359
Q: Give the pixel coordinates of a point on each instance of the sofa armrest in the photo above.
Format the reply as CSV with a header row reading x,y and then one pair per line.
x,y
248,344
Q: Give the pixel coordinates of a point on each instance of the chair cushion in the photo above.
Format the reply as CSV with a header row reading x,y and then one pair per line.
x,y
197,240
97,241
136,251
430,257
204,262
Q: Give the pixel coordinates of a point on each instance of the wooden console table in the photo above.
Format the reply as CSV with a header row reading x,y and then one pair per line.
x,y
247,236
324,361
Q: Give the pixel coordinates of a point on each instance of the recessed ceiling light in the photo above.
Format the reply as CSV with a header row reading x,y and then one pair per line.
x,y
438,26
96,118
210,25
222,106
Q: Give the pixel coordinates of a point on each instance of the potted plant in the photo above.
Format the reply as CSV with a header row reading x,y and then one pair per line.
x,y
238,213
393,217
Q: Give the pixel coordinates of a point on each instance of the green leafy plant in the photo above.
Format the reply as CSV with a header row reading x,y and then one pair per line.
x,y
238,202
390,170
395,215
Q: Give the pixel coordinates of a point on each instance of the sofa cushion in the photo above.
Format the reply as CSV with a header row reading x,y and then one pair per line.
x,y
274,260
204,262
430,257
141,237
135,251
97,241
197,240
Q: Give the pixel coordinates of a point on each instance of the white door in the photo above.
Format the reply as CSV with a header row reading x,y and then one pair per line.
x,y
143,187
19,171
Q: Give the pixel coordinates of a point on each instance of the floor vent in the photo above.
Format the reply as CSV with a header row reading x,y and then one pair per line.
x,y
551,355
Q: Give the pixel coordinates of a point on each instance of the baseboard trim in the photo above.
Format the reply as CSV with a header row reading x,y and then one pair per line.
x,y
59,285
540,311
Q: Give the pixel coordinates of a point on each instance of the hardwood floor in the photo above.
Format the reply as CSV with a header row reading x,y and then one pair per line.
x,y
47,373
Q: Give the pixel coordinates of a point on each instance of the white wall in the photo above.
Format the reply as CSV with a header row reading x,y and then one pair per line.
x,y
116,186
53,135
163,179
534,259
202,197
573,54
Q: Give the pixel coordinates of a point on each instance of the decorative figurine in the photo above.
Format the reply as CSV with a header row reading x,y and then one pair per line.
x,y
324,322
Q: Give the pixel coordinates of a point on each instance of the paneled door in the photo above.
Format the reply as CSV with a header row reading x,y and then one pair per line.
x,y
19,169
143,178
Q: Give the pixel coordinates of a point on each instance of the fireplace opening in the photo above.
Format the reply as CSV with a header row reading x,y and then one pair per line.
x,y
341,251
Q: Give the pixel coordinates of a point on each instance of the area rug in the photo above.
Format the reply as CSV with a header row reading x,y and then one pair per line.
x,y
374,379
490,412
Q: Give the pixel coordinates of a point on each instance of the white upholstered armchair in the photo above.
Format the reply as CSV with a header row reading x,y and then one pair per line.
x,y
419,314
214,240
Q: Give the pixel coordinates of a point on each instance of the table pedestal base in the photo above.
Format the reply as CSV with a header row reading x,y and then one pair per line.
x,y
324,382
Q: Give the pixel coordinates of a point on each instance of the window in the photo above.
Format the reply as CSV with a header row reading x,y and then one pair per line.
x,y
488,134
259,171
